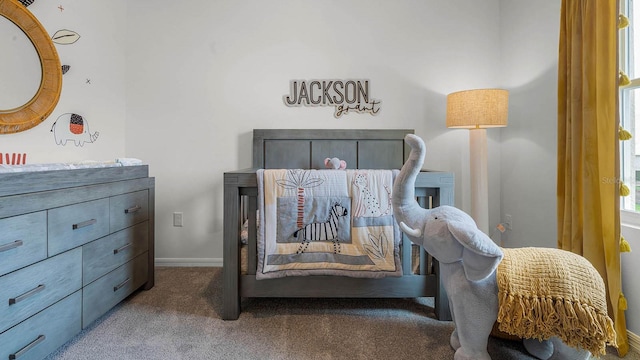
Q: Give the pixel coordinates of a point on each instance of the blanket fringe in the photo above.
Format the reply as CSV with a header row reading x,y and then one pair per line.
x,y
577,324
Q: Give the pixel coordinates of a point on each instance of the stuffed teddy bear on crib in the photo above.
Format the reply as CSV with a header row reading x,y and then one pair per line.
x,y
335,163
553,299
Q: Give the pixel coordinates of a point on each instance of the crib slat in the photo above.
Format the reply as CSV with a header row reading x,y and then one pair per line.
x,y
423,201
423,261
406,255
252,235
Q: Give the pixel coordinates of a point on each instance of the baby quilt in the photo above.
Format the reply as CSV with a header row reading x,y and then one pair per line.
x,y
327,222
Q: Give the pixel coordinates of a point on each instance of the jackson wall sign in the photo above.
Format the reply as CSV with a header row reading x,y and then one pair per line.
x,y
351,95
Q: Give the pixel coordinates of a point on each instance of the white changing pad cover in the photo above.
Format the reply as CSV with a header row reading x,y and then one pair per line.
x,y
4,168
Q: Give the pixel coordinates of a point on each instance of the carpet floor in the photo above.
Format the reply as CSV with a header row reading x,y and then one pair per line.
x,y
180,319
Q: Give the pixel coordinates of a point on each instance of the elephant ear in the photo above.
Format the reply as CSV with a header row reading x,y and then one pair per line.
x,y
481,255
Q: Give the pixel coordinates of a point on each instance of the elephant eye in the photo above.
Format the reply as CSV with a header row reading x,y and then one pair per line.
x,y
436,218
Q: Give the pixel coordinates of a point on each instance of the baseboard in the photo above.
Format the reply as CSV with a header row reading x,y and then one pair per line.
x,y
634,342
189,262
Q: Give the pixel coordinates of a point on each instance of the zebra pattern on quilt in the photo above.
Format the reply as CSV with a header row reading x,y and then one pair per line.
x,y
326,222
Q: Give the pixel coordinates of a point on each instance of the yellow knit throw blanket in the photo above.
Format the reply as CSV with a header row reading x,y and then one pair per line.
x,y
550,292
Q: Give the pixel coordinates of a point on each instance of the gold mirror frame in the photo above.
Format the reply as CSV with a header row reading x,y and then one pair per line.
x,y
46,98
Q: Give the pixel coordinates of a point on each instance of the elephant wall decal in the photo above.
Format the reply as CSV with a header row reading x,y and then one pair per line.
x,y
72,127
468,261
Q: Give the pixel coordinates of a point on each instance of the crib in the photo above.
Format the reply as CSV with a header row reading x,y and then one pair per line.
x,y
307,149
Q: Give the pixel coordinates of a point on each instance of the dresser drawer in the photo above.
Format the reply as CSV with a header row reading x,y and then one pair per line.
x,y
74,225
103,255
129,209
104,293
43,333
23,241
27,291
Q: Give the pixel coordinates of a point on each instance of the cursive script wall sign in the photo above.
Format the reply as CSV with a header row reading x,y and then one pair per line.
x,y
345,95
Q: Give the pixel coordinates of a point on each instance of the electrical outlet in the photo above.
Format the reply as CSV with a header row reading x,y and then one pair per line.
x,y
177,219
508,221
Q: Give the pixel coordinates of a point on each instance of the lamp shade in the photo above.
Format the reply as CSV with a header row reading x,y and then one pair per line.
x,y
481,108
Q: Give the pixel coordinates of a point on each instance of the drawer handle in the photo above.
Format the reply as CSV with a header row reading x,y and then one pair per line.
x,y
120,249
133,209
117,287
9,246
29,293
83,224
30,346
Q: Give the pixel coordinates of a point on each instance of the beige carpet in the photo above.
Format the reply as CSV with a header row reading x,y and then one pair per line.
x,y
180,319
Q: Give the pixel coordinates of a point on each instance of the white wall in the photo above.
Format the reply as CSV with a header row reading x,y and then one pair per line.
x,y
529,66
98,56
202,74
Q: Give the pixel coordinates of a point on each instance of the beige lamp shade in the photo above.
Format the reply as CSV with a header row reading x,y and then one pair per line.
x,y
481,108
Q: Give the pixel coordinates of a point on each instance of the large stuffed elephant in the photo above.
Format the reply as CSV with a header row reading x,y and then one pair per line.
x,y
468,260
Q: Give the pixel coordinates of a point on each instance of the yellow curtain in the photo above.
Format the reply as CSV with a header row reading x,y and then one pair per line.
x,y
588,166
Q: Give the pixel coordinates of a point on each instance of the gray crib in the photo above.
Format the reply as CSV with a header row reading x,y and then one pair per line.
x,y
307,149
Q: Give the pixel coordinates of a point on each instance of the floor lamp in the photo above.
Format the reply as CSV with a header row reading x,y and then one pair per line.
x,y
477,110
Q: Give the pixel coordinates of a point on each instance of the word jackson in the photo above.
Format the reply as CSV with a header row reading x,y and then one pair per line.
x,y
345,95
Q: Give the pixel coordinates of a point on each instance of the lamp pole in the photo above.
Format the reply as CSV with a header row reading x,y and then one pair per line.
x,y
479,180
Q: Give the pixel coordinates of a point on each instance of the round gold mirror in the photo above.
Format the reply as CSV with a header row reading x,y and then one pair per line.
x,y
40,106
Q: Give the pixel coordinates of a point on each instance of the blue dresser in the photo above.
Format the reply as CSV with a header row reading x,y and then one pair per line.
x,y
73,244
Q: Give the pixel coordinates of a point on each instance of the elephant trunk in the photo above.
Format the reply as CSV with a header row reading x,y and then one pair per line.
x,y
405,207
